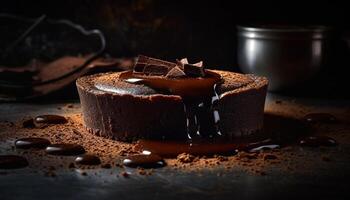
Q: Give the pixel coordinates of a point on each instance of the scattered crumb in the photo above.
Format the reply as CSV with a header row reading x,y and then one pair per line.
x,y
185,158
111,152
106,166
141,171
71,165
125,174
221,158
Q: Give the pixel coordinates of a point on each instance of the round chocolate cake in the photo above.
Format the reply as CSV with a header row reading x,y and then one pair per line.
x,y
128,106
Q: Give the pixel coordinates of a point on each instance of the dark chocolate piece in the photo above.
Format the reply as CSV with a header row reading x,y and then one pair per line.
x,y
194,70
152,66
50,119
320,118
27,143
65,149
144,161
176,72
155,70
88,160
316,141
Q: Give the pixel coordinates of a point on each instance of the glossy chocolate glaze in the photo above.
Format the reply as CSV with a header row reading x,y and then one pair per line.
x,y
199,98
278,132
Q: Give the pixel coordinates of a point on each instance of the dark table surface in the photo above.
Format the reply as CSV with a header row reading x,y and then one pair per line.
x,y
325,180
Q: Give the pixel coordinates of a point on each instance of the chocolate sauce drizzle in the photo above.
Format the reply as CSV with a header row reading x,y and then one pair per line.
x,y
199,96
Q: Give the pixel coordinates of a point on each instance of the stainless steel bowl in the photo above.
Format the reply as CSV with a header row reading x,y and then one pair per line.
x,y
288,56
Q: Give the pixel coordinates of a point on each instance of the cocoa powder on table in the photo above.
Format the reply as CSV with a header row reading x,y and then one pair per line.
x,y
112,152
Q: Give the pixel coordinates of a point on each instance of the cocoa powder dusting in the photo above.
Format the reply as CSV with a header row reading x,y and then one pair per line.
x,y
112,152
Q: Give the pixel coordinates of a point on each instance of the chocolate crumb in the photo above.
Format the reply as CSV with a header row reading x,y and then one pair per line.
x,y
141,171
245,155
106,166
125,174
185,158
221,158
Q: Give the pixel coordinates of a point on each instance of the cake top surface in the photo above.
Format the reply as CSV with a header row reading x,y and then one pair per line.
x,y
154,76
111,82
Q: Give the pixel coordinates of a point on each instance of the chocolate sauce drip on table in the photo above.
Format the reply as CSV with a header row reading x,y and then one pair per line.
x,y
316,141
198,94
65,149
12,162
144,161
27,143
88,160
170,149
50,119
320,118
278,131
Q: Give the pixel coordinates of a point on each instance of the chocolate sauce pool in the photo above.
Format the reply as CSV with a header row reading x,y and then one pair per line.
x,y
199,97
278,131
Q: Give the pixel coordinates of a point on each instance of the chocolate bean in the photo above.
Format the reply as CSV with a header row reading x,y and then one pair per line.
x,y
27,143
50,119
65,149
88,160
145,161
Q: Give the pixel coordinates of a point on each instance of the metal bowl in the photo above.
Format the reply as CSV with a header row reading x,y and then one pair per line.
x,y
288,56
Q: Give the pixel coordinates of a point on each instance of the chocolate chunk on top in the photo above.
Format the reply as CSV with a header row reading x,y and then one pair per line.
x,y
156,67
194,70
152,66
175,72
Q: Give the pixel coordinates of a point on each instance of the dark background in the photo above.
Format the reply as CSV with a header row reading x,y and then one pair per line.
x,y
173,29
